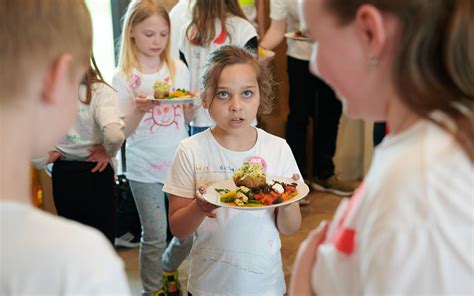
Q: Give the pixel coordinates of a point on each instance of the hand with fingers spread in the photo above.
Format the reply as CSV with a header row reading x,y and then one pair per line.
x,y
206,207
98,155
53,156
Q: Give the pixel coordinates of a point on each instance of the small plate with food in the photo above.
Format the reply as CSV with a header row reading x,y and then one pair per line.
x,y
251,189
164,95
299,36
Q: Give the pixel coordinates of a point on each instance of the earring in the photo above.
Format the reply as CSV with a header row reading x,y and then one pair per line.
x,y
373,61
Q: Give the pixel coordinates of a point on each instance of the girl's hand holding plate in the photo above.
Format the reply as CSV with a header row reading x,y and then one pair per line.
x,y
206,207
143,104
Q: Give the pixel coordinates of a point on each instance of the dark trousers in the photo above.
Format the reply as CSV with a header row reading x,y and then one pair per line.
x,y
127,214
85,197
309,98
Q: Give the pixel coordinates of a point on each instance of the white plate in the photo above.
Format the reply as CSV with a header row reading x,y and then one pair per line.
x,y
182,100
213,196
299,38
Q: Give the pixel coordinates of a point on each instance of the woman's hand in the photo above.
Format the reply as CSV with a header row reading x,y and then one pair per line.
x,y
98,155
143,105
300,283
206,207
53,156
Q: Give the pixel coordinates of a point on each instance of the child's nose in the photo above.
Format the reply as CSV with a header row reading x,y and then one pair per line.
x,y
156,40
235,103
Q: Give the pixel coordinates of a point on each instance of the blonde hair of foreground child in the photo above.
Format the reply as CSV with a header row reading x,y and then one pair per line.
x,y
34,34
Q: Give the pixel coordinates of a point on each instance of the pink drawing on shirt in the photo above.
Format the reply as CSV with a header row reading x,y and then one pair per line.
x,y
159,166
134,81
270,243
163,115
258,159
345,238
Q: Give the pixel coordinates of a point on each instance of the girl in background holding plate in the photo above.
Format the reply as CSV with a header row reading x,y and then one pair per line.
x,y
154,132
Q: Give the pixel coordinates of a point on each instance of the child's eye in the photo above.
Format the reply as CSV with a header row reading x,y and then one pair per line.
x,y
164,34
247,93
222,95
148,34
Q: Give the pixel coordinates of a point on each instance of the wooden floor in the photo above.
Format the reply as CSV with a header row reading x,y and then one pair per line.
x,y
321,207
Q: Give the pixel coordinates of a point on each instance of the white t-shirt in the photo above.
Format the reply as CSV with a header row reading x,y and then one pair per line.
x,y
288,10
90,121
240,32
42,254
237,253
151,147
409,229
250,10
180,14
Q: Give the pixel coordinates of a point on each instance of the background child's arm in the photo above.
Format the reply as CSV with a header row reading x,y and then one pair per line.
x,y
107,116
113,138
259,4
133,118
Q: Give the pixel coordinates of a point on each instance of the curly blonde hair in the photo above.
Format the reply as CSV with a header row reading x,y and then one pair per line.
x,y
232,55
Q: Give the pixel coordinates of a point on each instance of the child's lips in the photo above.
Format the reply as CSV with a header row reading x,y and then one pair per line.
x,y
237,120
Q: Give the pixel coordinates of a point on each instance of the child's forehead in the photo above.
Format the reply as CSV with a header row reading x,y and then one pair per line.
x,y
152,21
240,69
237,75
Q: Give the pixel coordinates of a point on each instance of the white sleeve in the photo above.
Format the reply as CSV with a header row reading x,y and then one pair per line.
x,y
245,32
278,9
106,109
95,268
180,179
125,94
183,77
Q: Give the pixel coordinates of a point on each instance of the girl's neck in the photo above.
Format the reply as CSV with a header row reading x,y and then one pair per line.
x,y
399,117
149,65
236,142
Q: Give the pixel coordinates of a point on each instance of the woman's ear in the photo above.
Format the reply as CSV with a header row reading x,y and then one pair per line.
x,y
56,75
370,24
